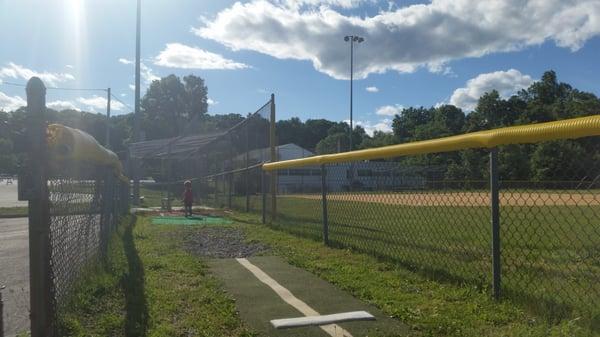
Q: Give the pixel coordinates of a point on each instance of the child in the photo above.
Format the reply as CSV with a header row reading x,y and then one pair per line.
x,y
188,198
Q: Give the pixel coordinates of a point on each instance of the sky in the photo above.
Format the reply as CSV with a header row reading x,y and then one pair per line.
x,y
415,53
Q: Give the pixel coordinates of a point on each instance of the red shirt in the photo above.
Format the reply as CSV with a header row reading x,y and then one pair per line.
x,y
188,196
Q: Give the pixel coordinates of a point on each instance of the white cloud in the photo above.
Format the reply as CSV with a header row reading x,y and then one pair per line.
x,y
402,39
210,101
11,103
99,103
62,105
389,110
69,66
125,61
16,71
505,82
334,3
177,55
147,74
384,125
372,89
123,94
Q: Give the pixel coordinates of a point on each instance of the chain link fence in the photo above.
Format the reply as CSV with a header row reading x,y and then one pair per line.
x,y
538,244
83,214
76,194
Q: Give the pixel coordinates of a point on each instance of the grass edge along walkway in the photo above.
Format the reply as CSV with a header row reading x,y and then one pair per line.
x,y
430,308
149,286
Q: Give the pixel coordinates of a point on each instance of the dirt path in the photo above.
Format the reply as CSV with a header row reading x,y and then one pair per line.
x,y
464,198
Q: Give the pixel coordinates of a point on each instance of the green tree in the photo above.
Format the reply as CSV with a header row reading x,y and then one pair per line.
x,y
378,139
333,143
170,106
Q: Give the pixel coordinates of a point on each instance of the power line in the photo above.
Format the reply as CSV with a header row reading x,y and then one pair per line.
x,y
13,84
54,88
120,101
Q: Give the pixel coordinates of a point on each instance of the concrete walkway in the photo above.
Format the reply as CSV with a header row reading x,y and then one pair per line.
x,y
14,274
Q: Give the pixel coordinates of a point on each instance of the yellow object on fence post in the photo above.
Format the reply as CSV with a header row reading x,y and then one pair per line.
x,y
67,143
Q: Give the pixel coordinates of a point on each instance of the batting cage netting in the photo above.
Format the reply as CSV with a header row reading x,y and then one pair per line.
x,y
224,167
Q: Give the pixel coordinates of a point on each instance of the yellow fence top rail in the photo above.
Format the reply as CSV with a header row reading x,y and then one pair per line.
x,y
523,134
71,144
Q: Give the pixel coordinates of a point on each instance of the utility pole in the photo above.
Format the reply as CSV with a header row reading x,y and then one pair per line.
x,y
136,116
107,139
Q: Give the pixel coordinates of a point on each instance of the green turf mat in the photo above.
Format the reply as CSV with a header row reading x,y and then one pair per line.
x,y
195,220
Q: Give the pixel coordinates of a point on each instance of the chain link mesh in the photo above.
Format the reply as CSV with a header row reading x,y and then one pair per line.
x,y
432,214
83,214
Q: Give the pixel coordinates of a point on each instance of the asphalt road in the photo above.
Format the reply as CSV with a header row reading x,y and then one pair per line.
x,y
8,195
14,274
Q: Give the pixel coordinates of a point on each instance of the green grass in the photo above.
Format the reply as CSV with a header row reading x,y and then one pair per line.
x,y
430,308
13,212
153,197
550,254
149,286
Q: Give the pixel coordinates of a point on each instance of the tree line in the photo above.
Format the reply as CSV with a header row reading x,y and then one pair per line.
x,y
174,106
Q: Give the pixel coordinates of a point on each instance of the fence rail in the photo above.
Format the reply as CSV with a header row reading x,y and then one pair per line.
x,y
76,193
533,240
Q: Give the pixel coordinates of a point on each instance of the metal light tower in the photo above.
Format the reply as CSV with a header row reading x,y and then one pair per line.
x,y
136,116
352,39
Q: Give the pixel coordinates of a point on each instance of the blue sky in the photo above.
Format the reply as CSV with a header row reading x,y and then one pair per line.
x,y
415,53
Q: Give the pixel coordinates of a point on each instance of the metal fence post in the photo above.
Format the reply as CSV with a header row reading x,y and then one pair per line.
x,y
40,272
1,312
247,187
495,201
229,189
324,200
273,148
263,192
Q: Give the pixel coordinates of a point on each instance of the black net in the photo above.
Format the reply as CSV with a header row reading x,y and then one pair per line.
x,y
225,169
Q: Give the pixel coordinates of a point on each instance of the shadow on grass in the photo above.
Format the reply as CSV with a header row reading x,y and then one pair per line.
x,y
136,316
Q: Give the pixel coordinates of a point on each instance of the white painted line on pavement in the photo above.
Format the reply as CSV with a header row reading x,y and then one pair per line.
x,y
333,330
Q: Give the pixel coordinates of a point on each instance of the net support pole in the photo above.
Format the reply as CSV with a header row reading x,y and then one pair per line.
x,y
272,145
169,175
229,189
107,137
324,206
263,192
247,171
1,312
495,217
40,272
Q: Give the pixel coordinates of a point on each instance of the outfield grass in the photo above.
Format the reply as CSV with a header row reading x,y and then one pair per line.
x,y
149,286
550,254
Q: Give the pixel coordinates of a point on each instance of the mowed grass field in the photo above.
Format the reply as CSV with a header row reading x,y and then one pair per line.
x,y
550,253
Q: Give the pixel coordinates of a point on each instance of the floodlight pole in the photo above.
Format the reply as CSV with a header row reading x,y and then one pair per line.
x,y
352,39
136,116
351,87
107,139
